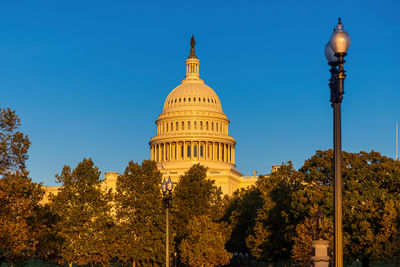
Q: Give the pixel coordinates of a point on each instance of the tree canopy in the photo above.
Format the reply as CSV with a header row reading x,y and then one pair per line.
x,y
140,224
84,216
14,145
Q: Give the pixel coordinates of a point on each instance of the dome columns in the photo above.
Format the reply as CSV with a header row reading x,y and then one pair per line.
x,y
193,151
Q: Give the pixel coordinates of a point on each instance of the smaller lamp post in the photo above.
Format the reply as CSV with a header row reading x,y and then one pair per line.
x,y
166,188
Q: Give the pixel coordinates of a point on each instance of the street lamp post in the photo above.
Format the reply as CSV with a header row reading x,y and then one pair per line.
x,y
166,188
335,51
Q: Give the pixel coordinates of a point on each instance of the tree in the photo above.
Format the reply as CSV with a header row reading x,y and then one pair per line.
x,y
140,222
84,220
241,213
204,244
371,186
19,206
195,195
14,144
275,225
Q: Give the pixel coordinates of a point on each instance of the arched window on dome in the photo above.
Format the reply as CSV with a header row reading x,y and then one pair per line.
x,y
167,127
188,125
204,100
163,128
172,126
195,125
184,99
183,125
179,99
194,99
220,127
208,100
189,99
207,125
201,125
199,99
177,126
175,100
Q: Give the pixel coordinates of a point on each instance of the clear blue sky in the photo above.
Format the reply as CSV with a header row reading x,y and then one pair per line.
x,y
89,78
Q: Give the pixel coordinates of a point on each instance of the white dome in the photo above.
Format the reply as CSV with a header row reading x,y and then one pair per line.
x,y
192,95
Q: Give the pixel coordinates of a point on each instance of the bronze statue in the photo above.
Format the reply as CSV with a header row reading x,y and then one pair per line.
x,y
318,225
192,51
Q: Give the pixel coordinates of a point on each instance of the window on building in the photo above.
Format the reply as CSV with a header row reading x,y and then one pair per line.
x,y
183,125
207,125
212,126
182,151
201,150
216,127
217,151
188,151
172,126
222,152
195,151
201,125
167,126
176,126
195,125
188,124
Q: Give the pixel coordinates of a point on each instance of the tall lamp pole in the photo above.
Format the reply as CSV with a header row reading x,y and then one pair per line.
x,y
335,51
166,188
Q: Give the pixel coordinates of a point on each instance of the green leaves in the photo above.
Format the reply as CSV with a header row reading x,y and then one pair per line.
x,y
84,216
140,224
14,145
204,244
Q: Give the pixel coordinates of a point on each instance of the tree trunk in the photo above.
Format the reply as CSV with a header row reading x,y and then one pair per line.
x,y
70,264
365,262
134,264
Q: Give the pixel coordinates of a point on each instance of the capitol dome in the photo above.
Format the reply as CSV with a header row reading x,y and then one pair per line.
x,y
192,95
192,128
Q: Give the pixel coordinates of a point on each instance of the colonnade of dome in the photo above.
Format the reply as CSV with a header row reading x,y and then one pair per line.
x,y
193,150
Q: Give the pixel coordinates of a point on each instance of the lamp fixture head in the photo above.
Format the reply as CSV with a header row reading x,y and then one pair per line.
x,y
170,185
340,39
330,54
164,187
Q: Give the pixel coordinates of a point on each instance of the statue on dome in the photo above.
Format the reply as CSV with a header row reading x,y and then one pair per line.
x,y
192,51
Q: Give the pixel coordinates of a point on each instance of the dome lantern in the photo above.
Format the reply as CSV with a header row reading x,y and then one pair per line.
x,y
192,64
